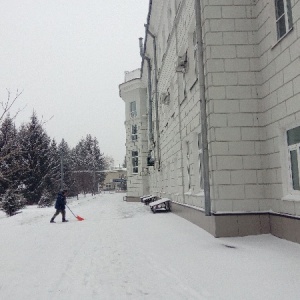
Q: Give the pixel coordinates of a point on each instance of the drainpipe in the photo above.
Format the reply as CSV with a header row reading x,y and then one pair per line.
x,y
150,130
203,115
156,95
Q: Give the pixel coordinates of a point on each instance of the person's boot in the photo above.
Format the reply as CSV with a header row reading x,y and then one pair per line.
x,y
52,220
64,220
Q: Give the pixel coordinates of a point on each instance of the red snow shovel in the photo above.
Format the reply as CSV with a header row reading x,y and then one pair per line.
x,y
77,217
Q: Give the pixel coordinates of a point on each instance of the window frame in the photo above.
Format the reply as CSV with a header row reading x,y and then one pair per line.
x,y
290,148
188,175
134,130
286,16
135,161
132,109
288,193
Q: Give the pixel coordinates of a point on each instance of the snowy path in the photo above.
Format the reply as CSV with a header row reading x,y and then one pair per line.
x,y
123,251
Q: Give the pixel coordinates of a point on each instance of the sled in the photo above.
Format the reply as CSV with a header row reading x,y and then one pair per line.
x,y
161,204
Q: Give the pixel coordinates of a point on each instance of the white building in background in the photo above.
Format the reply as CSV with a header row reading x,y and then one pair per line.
x,y
134,94
249,77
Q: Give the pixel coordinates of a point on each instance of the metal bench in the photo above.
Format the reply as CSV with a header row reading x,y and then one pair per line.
x,y
163,203
145,196
149,199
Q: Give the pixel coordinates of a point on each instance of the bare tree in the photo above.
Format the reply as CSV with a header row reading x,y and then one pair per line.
x,y
7,105
109,162
6,150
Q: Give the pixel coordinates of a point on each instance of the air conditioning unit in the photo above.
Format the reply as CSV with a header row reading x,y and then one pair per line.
x,y
182,64
165,98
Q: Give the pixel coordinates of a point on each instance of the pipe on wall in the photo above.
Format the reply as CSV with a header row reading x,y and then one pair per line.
x,y
156,96
150,129
203,114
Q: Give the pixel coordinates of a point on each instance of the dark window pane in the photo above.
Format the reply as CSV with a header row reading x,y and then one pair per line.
x,y
295,170
279,5
281,29
289,13
293,136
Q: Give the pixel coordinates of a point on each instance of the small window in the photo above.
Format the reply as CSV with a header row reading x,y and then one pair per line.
x,y
133,109
293,141
135,162
283,13
134,132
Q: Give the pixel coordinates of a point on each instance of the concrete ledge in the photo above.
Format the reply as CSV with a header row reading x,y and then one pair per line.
x,y
242,224
285,227
133,199
195,216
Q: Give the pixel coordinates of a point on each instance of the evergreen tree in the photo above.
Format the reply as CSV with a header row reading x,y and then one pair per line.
x,y
46,199
35,145
66,160
53,179
11,202
9,156
88,164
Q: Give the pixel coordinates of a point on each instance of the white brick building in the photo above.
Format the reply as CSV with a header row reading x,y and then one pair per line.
x,y
251,86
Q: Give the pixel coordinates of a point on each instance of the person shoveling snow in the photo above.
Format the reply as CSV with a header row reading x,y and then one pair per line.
x,y
60,206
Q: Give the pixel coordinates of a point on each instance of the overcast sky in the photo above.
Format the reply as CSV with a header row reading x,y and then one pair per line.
x,y
69,56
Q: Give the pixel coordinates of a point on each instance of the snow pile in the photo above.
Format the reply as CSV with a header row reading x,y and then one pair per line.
x,y
123,251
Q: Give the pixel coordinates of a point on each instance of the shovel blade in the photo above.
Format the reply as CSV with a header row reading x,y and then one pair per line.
x,y
79,218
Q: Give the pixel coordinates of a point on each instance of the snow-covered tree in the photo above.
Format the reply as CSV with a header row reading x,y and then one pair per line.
x,y
88,164
11,202
109,162
10,166
52,184
35,145
65,157
46,199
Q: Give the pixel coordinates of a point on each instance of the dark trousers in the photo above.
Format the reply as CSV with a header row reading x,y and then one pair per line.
x,y
58,211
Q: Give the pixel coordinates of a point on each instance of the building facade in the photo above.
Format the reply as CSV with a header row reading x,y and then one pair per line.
x,y
239,62
115,179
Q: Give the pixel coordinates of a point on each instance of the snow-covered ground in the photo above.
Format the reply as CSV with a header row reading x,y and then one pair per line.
x,y
123,251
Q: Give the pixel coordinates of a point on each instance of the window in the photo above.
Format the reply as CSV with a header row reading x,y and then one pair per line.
x,y
133,109
135,161
283,13
188,166
182,87
293,141
195,51
200,159
133,132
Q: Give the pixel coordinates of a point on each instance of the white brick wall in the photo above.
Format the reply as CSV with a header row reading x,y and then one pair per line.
x,y
253,94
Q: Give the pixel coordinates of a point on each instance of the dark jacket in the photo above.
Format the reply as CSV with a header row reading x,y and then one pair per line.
x,y
60,202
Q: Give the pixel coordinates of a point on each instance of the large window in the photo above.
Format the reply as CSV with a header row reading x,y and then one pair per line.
x,y
293,141
200,159
283,12
195,51
133,109
135,161
188,166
